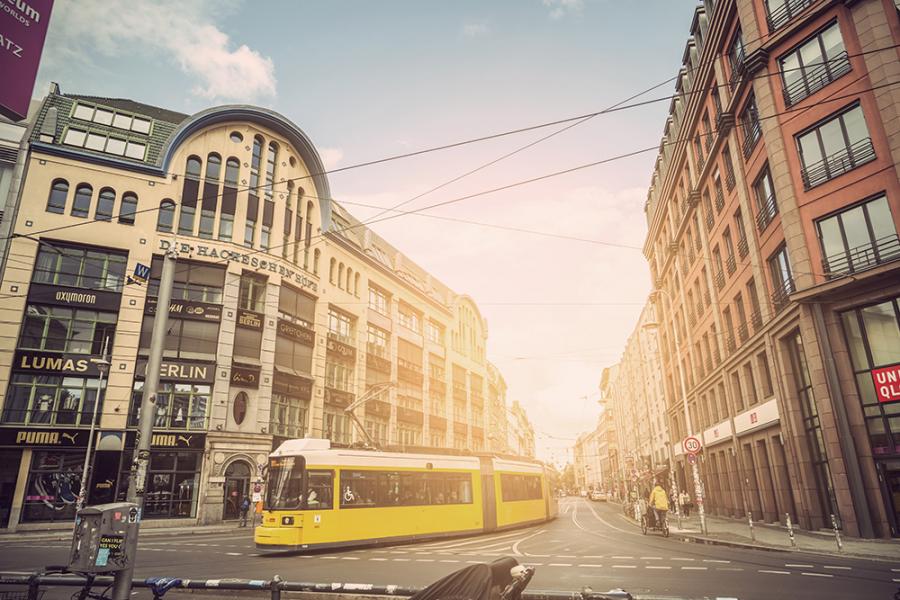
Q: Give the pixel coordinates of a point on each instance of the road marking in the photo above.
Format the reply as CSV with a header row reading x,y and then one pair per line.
x,y
473,562
622,557
624,566
401,559
650,558
449,560
586,556
377,558
349,558
560,565
328,557
478,540
895,580
798,566
694,568
657,567
399,552
837,568
715,560
818,574
590,565
566,556
424,560
683,559
515,548
775,572
729,569
234,554
896,570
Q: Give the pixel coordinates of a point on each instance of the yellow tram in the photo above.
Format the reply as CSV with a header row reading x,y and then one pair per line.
x,y
321,497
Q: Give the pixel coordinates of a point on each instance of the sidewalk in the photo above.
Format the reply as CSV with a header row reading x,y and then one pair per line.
x,y
65,534
736,533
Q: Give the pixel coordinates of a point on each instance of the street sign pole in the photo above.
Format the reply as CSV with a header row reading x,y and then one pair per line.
x,y
137,481
692,447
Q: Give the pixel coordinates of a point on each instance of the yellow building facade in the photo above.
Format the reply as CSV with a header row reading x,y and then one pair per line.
x,y
285,311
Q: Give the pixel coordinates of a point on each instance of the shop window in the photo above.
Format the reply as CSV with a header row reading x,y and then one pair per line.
x,y
51,400
196,340
81,206
59,193
106,203
859,237
834,147
128,209
80,267
69,330
173,484
54,482
178,405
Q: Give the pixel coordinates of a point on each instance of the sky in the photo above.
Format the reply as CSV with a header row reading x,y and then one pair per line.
x,y
367,80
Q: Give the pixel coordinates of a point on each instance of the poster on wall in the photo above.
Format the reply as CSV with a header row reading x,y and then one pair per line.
x,y
23,27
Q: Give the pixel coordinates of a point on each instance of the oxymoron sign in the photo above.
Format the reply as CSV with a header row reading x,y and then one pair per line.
x,y
23,27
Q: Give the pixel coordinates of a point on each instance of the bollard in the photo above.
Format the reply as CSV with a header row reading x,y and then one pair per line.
x,y
750,522
276,587
837,534
790,527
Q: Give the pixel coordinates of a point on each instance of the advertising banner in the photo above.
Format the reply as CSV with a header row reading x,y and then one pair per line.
x,y
23,27
887,383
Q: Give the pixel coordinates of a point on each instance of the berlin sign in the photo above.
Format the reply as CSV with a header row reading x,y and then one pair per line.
x,y
691,445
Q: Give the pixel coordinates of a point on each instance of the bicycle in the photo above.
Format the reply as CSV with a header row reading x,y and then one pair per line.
x,y
649,522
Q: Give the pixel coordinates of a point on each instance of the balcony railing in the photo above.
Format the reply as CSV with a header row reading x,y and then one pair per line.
x,y
767,213
701,162
737,70
743,247
709,221
692,320
709,364
752,133
409,366
729,179
344,339
780,295
706,298
816,78
699,309
720,279
874,253
756,320
838,163
729,343
743,332
720,199
730,264
782,15
376,350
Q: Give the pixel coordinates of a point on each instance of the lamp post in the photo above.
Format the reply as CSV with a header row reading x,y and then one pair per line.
x,y
102,365
695,469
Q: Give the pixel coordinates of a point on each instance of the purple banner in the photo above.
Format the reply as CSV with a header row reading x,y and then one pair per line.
x,y
23,27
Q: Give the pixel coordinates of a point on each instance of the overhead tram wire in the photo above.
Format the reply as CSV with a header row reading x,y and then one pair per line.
x,y
460,143
539,178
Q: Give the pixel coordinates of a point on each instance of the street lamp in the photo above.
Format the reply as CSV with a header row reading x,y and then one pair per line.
x,y
695,470
102,365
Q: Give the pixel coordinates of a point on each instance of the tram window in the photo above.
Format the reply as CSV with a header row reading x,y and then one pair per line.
x,y
359,488
436,488
520,487
413,489
391,488
321,490
459,488
388,489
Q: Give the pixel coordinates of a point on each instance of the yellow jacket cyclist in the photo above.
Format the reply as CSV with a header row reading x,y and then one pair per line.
x,y
659,502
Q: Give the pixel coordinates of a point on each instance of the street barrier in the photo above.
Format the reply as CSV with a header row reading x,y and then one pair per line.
x,y
275,586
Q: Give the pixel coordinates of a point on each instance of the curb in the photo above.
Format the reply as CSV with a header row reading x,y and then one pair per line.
x,y
66,535
699,539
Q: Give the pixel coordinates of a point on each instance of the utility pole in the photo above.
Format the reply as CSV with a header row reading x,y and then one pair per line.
x,y
141,459
103,366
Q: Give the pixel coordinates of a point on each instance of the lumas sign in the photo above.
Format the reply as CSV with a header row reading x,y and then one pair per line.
x,y
23,26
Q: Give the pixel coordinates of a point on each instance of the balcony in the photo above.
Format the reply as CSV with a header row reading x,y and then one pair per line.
x,y
709,221
701,162
780,295
720,279
737,70
699,308
724,122
752,133
743,247
756,320
766,214
863,257
730,264
838,163
720,199
729,178
782,15
729,343
744,332
817,78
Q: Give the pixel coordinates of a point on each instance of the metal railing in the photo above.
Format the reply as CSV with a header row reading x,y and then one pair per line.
x,y
752,133
780,295
862,257
766,213
838,163
815,79
743,247
743,332
756,319
709,221
274,587
730,264
699,308
344,339
729,178
782,15
720,279
729,343
720,199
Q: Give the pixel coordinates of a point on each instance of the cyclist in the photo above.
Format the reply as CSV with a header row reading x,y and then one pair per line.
x,y
659,502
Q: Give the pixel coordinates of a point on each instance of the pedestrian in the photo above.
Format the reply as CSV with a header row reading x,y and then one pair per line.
x,y
245,508
685,501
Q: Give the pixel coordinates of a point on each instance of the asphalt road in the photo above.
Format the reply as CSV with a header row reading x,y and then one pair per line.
x,y
590,544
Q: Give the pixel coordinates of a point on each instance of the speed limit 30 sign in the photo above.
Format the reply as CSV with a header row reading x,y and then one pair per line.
x,y
691,445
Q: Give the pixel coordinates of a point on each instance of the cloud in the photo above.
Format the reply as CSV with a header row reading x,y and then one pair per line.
x,y
559,8
181,31
475,29
332,157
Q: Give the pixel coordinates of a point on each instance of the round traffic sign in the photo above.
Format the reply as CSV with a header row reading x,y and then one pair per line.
x,y
691,445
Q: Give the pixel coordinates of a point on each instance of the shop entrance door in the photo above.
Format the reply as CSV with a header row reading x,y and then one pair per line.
x,y
890,471
9,471
237,487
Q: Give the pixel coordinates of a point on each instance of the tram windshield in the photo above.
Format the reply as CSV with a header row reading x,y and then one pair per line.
x,y
286,483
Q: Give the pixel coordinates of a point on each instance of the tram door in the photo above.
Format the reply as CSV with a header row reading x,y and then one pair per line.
x,y
488,497
237,487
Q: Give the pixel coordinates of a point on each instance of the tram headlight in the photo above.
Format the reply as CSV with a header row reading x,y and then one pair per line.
x,y
287,520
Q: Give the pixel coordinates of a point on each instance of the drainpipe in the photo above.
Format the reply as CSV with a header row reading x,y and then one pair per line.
x,y
845,437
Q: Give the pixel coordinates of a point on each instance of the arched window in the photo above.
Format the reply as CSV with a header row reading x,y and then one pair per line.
x,y
213,166
271,159
82,204
166,217
349,279
193,167
331,270
59,193
128,208
232,171
356,286
316,256
340,282
106,203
